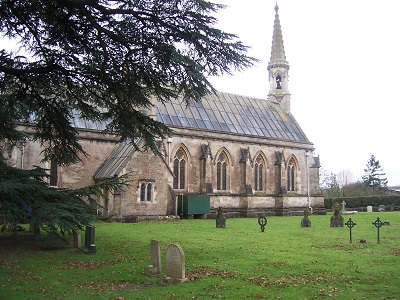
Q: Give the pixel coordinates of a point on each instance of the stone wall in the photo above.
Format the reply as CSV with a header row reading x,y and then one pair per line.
x,y
202,149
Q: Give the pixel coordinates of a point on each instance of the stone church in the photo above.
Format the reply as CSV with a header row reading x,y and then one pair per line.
x,y
245,155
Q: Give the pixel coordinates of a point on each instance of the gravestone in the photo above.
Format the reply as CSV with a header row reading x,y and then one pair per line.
x,y
336,219
89,235
76,239
175,265
346,212
378,224
350,224
155,256
343,207
89,238
262,221
369,208
381,208
220,221
305,222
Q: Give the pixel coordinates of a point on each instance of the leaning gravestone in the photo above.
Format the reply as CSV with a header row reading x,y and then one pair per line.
x,y
155,256
220,222
175,265
305,222
336,219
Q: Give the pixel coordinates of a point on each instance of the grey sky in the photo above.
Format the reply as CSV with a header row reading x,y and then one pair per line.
x,y
344,60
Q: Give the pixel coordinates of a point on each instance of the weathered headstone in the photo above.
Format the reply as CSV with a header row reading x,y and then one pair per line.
x,y
175,265
369,208
76,239
220,221
155,256
381,208
336,219
305,222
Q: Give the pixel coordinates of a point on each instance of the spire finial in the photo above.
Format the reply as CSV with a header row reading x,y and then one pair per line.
x,y
276,6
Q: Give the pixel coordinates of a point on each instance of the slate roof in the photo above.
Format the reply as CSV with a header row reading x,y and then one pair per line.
x,y
235,114
222,112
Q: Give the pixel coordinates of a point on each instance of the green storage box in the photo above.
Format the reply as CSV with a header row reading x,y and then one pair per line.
x,y
193,205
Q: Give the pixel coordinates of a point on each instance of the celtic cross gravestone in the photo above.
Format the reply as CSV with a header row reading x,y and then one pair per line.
x,y
378,224
350,224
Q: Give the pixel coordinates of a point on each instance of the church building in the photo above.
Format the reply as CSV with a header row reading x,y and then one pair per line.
x,y
245,155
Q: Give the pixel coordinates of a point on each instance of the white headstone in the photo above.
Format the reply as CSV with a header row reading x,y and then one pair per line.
x,y
175,263
369,208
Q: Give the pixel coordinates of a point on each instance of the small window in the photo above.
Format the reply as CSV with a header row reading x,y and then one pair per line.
x,y
149,194
146,191
143,192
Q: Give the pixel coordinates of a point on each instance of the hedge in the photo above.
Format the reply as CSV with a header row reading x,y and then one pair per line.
x,y
391,202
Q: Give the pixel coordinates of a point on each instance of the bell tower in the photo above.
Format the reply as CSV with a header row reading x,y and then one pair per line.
x,y
278,68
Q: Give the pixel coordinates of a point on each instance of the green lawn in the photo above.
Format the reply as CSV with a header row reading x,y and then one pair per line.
x,y
284,262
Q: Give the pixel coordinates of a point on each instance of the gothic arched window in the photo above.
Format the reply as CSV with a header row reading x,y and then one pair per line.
x,y
222,172
291,175
258,174
179,170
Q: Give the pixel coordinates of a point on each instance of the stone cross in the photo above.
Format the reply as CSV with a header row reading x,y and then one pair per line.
x,y
175,263
155,256
343,206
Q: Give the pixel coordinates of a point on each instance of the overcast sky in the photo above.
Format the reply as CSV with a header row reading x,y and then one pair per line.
x,y
344,61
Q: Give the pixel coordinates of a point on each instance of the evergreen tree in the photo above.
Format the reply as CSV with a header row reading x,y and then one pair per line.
x,y
25,195
374,176
107,61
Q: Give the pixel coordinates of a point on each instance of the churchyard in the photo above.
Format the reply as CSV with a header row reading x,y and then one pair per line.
x,y
286,261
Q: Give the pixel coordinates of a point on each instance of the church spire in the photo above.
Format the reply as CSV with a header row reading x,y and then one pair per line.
x,y
277,51
278,67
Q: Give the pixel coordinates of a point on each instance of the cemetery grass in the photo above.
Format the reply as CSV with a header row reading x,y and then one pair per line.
x,y
238,262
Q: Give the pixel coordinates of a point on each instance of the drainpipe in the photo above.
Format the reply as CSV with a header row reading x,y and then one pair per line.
x,y
308,181
22,155
169,141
